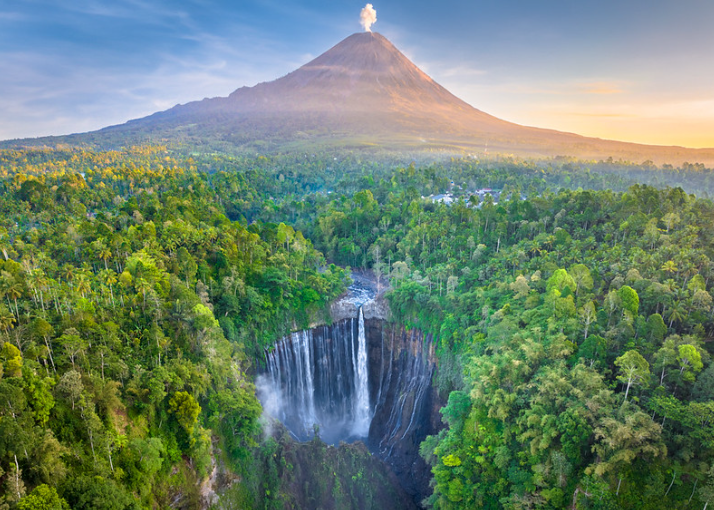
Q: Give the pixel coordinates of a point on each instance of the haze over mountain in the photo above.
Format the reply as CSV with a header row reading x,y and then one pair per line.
x,y
363,93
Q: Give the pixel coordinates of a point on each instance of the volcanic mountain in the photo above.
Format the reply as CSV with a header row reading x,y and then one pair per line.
x,y
362,93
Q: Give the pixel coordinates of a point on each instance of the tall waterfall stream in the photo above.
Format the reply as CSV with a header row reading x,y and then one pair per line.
x,y
319,377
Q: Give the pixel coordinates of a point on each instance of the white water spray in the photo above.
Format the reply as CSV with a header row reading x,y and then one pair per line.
x,y
309,391
362,414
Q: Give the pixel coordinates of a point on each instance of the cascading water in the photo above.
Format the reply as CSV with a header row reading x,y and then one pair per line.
x,y
362,409
319,377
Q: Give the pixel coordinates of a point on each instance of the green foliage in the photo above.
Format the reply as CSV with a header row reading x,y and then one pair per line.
x,y
703,389
141,460
560,280
630,300
690,362
12,360
656,328
43,497
186,410
114,268
96,493
634,369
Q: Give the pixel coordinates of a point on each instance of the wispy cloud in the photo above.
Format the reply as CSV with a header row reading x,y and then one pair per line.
x,y
62,83
149,13
460,71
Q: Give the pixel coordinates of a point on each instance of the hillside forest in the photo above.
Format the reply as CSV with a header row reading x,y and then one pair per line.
x,y
572,319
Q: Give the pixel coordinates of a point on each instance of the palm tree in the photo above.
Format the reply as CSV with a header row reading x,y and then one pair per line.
x,y
110,278
669,267
83,286
143,287
104,254
37,281
12,289
7,319
3,242
676,313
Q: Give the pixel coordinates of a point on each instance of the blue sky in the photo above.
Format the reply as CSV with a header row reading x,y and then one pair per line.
x,y
624,69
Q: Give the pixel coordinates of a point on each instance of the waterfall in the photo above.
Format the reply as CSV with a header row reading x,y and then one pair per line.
x,y
362,410
308,389
354,382
357,379
321,377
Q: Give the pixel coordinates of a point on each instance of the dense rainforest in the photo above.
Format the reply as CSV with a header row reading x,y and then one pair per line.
x,y
131,309
572,319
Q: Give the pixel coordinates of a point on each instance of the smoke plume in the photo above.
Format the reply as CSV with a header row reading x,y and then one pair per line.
x,y
368,17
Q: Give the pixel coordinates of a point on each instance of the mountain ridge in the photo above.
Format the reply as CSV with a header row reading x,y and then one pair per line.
x,y
362,93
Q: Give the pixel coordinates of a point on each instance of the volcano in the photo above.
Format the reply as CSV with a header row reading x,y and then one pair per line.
x,y
362,94
363,91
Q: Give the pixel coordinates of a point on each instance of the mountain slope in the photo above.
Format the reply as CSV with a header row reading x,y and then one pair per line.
x,y
362,93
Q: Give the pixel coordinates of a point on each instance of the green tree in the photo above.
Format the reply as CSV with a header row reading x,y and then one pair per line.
x,y
582,277
587,315
520,287
73,344
43,497
656,327
560,280
706,491
12,360
624,438
630,300
703,389
634,369
70,386
690,362
141,460
96,493
186,409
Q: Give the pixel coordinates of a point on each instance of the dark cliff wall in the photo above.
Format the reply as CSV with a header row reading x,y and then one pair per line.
x,y
406,405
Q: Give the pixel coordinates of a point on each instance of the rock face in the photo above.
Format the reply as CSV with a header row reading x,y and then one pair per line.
x,y
376,308
406,405
342,310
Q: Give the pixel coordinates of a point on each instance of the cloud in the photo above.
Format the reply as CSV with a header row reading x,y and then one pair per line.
x,y
95,64
646,108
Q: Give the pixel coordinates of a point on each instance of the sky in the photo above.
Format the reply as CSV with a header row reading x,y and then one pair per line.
x,y
632,70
